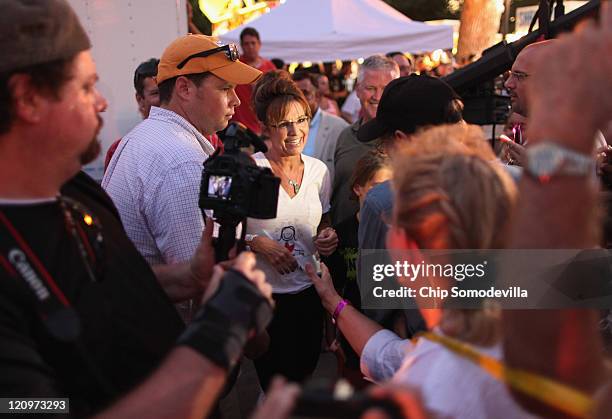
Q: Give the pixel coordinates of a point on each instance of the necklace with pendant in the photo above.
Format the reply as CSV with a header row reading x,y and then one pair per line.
x,y
296,186
293,183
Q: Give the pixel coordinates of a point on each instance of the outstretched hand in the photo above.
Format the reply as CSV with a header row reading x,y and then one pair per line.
x,y
514,153
324,286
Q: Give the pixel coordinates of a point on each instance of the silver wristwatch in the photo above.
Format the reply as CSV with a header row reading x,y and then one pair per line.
x,y
549,159
248,238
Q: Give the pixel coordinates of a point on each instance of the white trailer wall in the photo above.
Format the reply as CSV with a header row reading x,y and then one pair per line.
x,y
124,33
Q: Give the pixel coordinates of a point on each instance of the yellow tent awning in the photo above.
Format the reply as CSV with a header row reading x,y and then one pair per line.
x,y
219,10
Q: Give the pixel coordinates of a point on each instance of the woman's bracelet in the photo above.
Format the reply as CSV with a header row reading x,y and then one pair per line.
x,y
341,304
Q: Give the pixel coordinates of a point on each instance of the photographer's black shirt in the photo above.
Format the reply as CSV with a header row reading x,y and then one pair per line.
x,y
128,323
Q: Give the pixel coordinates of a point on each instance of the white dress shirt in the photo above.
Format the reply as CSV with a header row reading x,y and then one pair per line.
x,y
450,385
154,180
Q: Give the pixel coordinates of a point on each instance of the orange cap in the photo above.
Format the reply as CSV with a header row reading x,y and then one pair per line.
x,y
218,63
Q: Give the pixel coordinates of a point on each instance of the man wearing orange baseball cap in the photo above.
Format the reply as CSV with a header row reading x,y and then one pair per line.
x,y
154,176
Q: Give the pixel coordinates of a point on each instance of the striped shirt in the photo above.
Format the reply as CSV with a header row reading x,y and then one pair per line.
x,y
154,180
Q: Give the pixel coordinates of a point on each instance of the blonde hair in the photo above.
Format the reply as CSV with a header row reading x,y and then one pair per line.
x,y
451,194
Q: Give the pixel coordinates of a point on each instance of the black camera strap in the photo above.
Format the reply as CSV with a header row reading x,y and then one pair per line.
x,y
54,309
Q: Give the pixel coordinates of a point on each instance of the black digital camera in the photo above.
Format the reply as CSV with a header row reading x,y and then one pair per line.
x,y
320,399
235,188
233,185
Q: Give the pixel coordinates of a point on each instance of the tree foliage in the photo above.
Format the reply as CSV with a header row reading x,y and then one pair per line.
x,y
479,26
440,9
200,19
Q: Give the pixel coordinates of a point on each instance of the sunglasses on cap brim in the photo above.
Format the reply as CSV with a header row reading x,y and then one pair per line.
x,y
230,50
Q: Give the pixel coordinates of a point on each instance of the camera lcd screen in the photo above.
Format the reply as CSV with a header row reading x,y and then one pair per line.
x,y
219,187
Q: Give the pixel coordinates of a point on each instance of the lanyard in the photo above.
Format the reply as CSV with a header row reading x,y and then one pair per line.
x,y
89,256
59,317
20,262
543,389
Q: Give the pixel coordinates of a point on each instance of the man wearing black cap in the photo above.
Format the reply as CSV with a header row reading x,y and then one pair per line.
x,y
81,313
374,75
407,104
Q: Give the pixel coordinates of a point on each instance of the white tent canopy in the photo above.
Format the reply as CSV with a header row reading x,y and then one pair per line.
x,y
326,30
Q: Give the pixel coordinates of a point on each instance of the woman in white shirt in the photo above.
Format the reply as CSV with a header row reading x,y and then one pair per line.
x,y
300,230
448,195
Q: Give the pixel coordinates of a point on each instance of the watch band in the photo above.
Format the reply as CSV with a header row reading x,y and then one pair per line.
x,y
550,159
248,238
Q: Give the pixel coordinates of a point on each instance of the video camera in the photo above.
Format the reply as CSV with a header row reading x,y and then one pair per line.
x,y
235,188
476,83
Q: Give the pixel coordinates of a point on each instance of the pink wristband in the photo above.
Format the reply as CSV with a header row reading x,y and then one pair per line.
x,y
341,304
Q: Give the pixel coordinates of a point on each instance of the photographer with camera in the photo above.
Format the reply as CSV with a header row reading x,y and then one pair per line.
x,y
82,316
299,231
154,177
523,68
558,210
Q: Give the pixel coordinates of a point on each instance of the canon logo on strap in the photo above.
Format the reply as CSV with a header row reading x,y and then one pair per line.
x,y
19,260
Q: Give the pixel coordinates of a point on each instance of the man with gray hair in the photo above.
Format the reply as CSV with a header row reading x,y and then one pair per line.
x,y
374,75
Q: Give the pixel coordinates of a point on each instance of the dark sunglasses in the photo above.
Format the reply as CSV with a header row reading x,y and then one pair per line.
x,y
230,50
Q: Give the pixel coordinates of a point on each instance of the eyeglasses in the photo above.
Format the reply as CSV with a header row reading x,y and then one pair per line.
x,y
231,52
518,75
284,125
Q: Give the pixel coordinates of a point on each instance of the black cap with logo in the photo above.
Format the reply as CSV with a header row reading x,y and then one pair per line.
x,y
409,103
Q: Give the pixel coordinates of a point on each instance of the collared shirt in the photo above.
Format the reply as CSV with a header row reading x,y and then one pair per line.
x,y
440,376
309,148
377,207
154,180
352,106
348,152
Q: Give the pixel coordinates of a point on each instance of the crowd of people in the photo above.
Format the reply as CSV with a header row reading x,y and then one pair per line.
x,y
110,294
